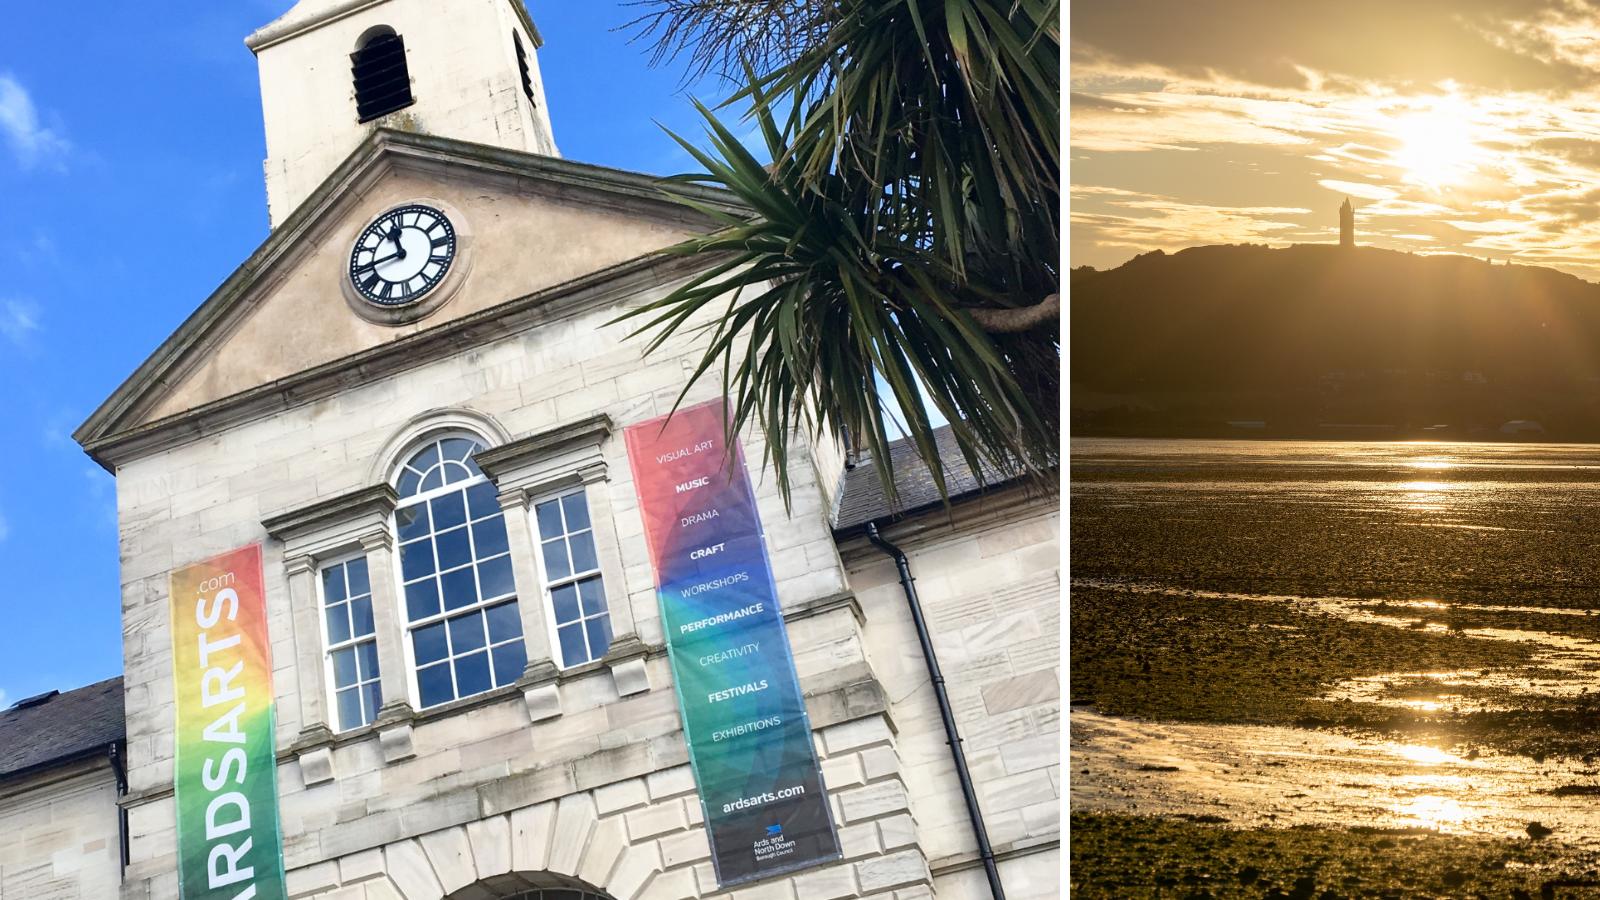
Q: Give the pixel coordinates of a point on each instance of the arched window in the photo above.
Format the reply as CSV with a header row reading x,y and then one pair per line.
x,y
383,84
464,629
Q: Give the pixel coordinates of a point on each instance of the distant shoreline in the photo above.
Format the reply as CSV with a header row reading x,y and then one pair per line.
x,y
1392,434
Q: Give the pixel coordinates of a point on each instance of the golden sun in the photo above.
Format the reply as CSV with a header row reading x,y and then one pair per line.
x,y
1436,148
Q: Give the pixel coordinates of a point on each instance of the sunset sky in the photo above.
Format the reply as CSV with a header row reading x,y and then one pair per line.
x,y
1469,126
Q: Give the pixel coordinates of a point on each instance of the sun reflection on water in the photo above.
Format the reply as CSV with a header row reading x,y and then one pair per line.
x,y
1435,810
1430,464
1425,755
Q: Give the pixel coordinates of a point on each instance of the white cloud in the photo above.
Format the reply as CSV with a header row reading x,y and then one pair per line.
x,y
4,703
5,530
19,122
18,320
1364,191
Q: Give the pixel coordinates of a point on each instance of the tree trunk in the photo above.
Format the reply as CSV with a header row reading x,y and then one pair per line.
x,y
1010,321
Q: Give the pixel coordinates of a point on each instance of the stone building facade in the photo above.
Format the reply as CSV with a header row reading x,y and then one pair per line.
x,y
292,411
61,772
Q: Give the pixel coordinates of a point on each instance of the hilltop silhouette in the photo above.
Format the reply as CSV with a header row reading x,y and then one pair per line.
x,y
1315,335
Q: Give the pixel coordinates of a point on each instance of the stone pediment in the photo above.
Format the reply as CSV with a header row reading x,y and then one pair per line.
x,y
535,226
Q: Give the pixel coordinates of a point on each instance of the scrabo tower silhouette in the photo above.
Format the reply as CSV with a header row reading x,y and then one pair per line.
x,y
1347,225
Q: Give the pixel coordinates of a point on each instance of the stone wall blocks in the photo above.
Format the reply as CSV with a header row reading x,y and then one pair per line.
x,y
298,849
874,801
491,845
674,885
634,870
893,870
1004,827
900,831
575,822
1022,691
653,821
607,766
526,789
688,847
858,841
925,892
831,883
705,877
147,870
843,771
1042,818
424,815
673,782
165,884
777,889
382,889
361,866
138,890
1000,730
1032,754
373,830
623,795
880,762
531,829
605,848
1015,791
312,879
857,734
450,853
408,867
352,892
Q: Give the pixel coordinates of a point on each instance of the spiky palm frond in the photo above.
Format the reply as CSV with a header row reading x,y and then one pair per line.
x,y
915,179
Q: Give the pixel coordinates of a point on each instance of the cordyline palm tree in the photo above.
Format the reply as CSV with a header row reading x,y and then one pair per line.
x,y
906,229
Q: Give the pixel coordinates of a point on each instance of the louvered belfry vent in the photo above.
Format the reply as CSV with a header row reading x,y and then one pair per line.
x,y
382,83
522,65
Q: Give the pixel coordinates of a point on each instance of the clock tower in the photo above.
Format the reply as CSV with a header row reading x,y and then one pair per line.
x,y
334,71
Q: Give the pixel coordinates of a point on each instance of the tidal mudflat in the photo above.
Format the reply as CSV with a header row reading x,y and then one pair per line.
x,y
1368,670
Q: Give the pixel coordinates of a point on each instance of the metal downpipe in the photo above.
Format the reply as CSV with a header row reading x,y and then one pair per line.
x,y
952,737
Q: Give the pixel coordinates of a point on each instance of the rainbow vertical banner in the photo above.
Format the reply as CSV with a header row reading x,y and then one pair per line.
x,y
766,809
226,776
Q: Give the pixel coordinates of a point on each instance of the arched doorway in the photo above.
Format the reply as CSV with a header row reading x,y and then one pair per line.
x,y
530,886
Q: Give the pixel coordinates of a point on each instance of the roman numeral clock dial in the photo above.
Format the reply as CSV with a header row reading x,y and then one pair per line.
x,y
403,255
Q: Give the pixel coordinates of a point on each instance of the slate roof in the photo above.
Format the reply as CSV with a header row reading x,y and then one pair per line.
x,y
60,728
862,499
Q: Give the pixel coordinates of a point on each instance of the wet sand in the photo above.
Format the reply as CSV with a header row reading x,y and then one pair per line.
x,y
1336,637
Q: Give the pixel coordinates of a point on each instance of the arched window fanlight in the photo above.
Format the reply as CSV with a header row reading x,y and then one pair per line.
x,y
462,619
383,84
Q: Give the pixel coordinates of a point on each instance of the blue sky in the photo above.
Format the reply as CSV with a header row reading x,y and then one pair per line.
x,y
130,185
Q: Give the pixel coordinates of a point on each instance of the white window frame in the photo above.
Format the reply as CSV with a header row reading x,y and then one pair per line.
x,y
403,611
330,682
546,588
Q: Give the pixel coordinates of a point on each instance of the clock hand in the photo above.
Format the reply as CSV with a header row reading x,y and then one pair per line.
x,y
394,235
400,255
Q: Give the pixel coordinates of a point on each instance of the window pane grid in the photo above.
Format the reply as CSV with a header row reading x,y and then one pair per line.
x,y
352,647
572,579
459,595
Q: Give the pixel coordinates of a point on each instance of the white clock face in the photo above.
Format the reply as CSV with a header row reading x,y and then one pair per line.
x,y
402,255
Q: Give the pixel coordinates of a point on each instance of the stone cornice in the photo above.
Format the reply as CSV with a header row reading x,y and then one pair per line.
x,y
285,27
375,501
498,461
